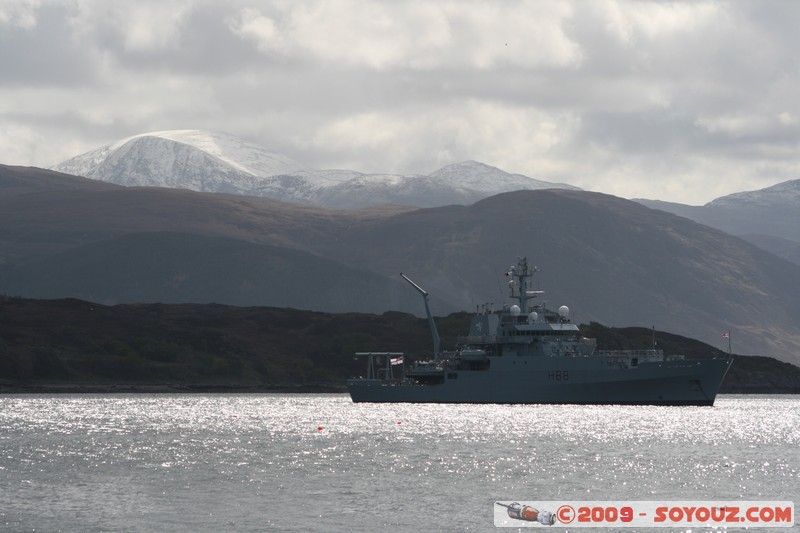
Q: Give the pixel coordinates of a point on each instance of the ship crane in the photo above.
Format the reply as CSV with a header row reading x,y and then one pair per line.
x,y
431,323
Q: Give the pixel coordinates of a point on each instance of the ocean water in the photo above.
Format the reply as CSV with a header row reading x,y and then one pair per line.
x,y
289,462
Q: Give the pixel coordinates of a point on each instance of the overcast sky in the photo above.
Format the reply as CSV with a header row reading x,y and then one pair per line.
x,y
679,101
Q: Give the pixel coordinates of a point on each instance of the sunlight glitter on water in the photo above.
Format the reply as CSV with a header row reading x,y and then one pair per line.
x,y
202,451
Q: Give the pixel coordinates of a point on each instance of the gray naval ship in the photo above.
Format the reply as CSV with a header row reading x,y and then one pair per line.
x,y
526,353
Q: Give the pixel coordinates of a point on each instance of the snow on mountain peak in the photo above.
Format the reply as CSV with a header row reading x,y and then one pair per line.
x,y
488,179
236,152
184,159
219,162
784,193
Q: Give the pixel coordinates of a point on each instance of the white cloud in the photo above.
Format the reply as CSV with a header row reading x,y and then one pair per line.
x,y
743,124
632,22
141,26
787,119
21,14
260,29
152,27
613,95
19,141
417,35
518,140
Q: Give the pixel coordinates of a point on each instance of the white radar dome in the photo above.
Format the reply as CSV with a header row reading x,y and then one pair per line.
x,y
533,317
515,310
563,311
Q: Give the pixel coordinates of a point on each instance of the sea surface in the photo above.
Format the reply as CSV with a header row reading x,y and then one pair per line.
x,y
318,462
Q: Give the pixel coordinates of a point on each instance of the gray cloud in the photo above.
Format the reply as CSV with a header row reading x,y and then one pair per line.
x,y
683,101
43,55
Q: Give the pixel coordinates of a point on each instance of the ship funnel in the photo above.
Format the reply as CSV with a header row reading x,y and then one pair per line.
x,y
431,323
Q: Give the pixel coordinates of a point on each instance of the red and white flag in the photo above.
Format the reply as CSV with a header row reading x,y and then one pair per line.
x,y
397,360
726,335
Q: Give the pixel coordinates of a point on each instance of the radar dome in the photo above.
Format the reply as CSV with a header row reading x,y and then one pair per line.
x,y
533,317
563,311
515,310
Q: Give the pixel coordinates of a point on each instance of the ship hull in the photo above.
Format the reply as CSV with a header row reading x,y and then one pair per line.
x,y
560,380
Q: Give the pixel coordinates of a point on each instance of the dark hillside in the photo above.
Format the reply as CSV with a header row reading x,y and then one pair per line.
x,y
170,267
76,345
77,342
27,180
612,261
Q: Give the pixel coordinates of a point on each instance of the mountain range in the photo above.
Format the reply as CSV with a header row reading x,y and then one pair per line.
x,y
768,218
611,260
218,162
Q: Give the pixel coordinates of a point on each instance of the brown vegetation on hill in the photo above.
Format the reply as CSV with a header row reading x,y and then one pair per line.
x,y
76,345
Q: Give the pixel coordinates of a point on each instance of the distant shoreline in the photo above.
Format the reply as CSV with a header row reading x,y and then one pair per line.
x,y
87,388
320,388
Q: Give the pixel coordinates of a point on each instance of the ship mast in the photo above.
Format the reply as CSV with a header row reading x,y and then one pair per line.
x,y
522,273
431,323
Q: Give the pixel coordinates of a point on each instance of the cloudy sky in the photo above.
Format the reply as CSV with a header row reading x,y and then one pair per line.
x,y
679,101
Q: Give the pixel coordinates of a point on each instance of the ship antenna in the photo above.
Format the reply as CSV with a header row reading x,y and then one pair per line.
x,y
523,274
431,323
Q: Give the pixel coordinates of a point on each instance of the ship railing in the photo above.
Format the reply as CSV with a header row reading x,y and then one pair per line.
x,y
631,358
632,353
380,365
477,339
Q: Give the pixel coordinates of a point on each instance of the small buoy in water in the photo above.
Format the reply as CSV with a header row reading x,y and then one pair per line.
x,y
398,422
320,428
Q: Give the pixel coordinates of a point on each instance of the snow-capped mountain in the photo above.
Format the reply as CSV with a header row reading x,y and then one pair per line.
x,y
476,176
218,162
183,159
786,193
